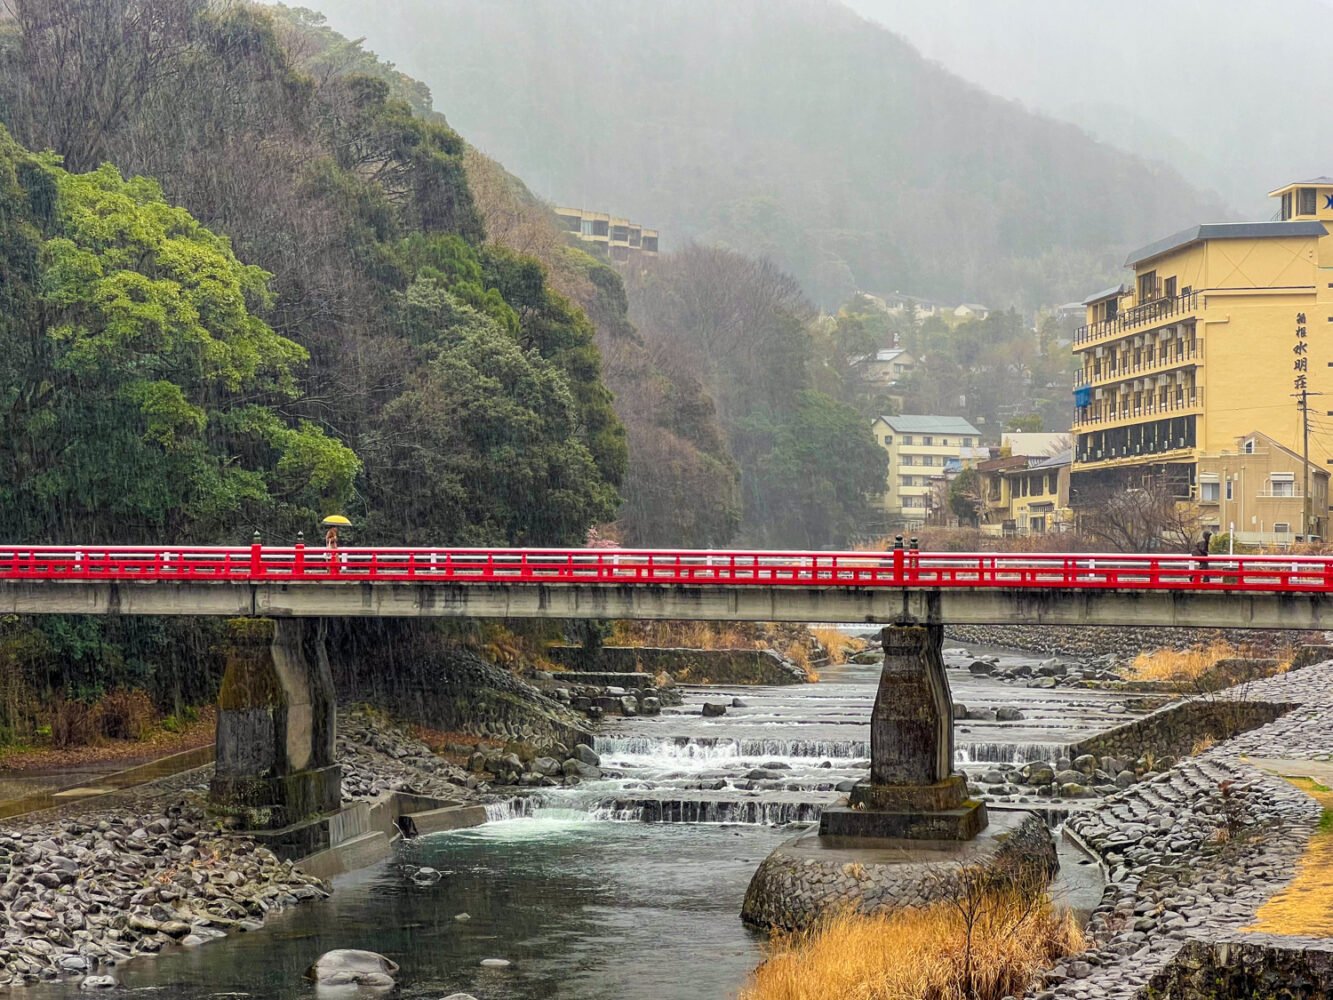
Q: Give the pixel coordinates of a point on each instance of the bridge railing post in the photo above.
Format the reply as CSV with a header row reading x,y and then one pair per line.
x,y
256,555
298,557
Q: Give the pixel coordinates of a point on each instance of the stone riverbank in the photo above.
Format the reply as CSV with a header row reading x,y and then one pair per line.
x,y
90,885
1192,853
1104,644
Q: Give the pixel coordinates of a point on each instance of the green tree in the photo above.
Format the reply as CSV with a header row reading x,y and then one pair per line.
x,y
142,387
482,448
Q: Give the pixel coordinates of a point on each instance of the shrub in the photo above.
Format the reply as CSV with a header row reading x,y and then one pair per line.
x,y
73,723
125,715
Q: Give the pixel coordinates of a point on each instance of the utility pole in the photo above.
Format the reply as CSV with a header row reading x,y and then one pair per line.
x,y
1303,403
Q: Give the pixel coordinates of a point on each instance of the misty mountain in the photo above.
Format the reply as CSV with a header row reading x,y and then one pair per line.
x,y
791,128
1229,82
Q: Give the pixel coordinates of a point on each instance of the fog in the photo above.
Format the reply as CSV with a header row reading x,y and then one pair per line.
x,y
1187,82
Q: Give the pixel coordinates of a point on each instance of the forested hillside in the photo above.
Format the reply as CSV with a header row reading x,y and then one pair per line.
x,y
788,128
239,293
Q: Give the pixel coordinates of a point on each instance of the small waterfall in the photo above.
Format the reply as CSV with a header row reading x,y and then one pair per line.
x,y
726,748
515,807
1008,753
751,811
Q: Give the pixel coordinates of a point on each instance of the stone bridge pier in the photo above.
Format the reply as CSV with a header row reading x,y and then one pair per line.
x,y
913,792
276,772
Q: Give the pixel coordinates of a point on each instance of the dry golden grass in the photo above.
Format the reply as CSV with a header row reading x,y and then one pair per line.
x,y
1180,664
1305,907
920,954
686,635
799,653
1202,745
837,644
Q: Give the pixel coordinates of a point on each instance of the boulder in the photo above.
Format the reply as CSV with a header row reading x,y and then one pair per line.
x,y
649,705
98,983
981,668
546,766
495,963
1038,775
629,705
351,967
578,769
1007,713
1086,763
586,754
959,710
1124,779
711,710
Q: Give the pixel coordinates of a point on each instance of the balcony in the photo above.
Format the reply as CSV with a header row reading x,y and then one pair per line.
x,y
1149,314
1163,362
1110,412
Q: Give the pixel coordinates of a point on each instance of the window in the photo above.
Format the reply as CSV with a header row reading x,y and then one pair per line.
x,y
944,442
585,227
907,439
1230,495
1208,492
1305,204
1282,484
1281,527
1147,287
888,439
928,441
1249,445
967,442
1286,206
1171,287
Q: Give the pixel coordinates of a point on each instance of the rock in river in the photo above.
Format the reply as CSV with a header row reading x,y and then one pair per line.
x,y
350,967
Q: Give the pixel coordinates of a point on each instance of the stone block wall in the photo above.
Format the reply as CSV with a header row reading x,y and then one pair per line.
x,y
1294,969
1175,730
685,666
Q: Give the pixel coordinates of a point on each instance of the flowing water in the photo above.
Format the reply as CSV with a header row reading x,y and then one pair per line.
x,y
584,897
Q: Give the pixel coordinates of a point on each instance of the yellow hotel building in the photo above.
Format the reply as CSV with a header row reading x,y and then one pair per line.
x,y
1220,327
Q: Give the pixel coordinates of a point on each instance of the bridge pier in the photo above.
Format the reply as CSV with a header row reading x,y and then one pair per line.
x,y
913,792
275,767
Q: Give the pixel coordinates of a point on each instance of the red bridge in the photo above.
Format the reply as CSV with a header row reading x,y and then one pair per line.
x,y
903,584
276,769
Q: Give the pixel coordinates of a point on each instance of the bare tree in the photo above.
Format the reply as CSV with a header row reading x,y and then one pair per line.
x,y
1148,517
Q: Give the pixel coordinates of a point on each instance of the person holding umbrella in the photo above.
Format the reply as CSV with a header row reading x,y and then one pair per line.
x,y
333,522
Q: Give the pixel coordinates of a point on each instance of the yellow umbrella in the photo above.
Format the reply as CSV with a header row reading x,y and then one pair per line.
x,y
335,521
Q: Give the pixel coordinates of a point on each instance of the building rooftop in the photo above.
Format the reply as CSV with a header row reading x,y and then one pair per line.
x,y
1056,461
929,424
1105,293
1312,182
1222,231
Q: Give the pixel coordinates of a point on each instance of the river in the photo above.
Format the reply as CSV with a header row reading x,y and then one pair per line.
x,y
583,897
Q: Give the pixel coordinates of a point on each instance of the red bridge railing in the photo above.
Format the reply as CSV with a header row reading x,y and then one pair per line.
x,y
670,567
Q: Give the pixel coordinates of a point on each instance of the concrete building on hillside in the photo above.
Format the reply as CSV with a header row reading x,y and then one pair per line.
x,y
884,368
1038,444
1025,494
1220,330
619,238
1258,486
921,450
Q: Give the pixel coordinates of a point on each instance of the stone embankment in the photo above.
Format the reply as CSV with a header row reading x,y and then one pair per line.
x,y
1193,852
1103,644
88,886
801,881
598,694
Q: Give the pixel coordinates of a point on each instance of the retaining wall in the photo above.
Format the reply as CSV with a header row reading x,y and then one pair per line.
x,y
1175,730
686,666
